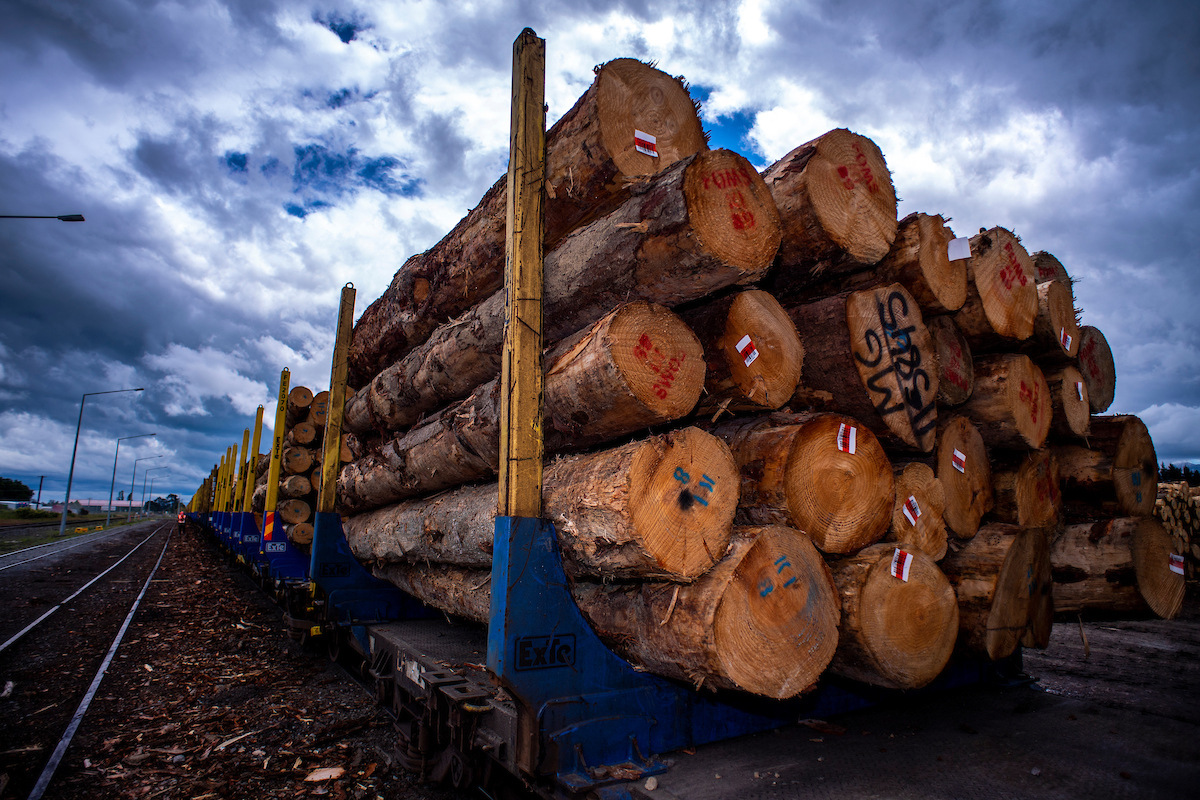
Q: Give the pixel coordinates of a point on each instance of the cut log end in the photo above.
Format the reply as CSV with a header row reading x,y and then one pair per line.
x,y
946,279
956,368
918,515
1135,468
839,484
1010,402
892,348
1009,616
303,433
300,534
1027,491
1003,274
1160,586
1071,410
635,97
300,397
763,350
966,476
902,618
1048,268
1056,320
685,480
1096,364
775,629
660,359
732,211
852,191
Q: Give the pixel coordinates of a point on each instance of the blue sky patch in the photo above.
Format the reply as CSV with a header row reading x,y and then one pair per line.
x,y
235,161
729,130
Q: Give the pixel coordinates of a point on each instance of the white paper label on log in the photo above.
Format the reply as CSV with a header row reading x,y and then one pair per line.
x,y
1176,564
847,438
746,347
912,511
1079,390
1064,338
901,564
959,460
959,248
645,143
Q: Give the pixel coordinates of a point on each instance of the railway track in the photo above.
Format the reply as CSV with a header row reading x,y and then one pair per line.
x,y
53,663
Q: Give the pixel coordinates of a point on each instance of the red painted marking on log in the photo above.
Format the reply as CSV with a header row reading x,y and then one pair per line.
x,y
728,178
955,369
665,368
1087,357
1031,397
865,176
1011,273
740,215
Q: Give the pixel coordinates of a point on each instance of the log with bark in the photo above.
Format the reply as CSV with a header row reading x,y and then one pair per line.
x,y
1116,565
919,261
991,575
1096,365
821,473
592,163
918,515
1115,475
1002,299
837,205
298,400
1048,268
965,471
956,368
1055,336
763,620
877,363
706,223
752,352
637,367
899,617
658,508
1010,403
1070,411
1026,488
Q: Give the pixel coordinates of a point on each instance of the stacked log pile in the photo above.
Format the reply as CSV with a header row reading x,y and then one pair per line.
x,y
875,442
1178,508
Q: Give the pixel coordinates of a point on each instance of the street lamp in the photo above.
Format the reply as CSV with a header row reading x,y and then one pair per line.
x,y
62,217
152,487
62,526
133,478
144,476
108,519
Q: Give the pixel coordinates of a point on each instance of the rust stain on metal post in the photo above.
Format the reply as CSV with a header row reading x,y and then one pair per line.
x,y
331,460
521,370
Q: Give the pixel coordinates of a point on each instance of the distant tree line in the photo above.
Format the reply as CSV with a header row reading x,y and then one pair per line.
x,y
14,490
1174,474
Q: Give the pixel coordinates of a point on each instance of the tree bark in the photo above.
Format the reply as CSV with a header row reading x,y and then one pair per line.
x,y
763,620
1001,299
899,618
991,576
965,471
798,470
704,224
1026,488
591,165
1116,565
918,515
1010,403
837,205
956,367
877,363
1099,372
658,508
637,367
753,355
1116,475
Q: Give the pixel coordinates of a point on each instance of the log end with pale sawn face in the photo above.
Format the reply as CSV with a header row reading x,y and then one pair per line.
x,y
775,629
918,515
763,350
1003,274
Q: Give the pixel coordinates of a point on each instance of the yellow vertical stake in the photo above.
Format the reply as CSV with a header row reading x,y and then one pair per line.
x,y
241,477
285,377
248,497
220,481
331,459
521,368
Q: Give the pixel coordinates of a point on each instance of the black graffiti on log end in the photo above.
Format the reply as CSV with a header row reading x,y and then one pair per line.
x,y
905,365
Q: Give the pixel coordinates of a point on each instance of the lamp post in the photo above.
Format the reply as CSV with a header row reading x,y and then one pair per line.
x,y
152,487
108,519
62,526
61,217
145,475
133,478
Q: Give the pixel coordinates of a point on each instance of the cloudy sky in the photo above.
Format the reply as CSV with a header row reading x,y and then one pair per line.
x,y
238,161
